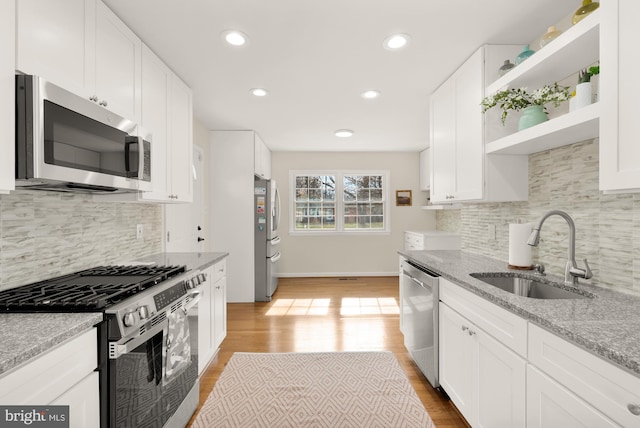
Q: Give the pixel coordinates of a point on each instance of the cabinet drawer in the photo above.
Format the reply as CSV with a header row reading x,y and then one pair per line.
x,y
503,325
219,270
601,384
549,404
48,376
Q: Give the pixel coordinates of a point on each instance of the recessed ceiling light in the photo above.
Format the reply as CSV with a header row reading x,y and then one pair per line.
x,y
344,133
259,92
370,94
235,37
396,41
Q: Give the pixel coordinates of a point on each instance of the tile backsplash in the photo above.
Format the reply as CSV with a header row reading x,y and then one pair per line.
x,y
45,234
566,178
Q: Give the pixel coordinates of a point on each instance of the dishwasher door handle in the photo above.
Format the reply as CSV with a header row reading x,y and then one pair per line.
x,y
421,284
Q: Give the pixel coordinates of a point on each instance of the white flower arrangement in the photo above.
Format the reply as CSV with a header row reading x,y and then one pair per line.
x,y
518,99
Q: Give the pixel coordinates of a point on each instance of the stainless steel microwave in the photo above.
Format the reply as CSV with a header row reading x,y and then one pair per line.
x,y
67,143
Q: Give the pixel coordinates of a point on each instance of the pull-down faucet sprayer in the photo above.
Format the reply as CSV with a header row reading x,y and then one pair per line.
x,y
572,272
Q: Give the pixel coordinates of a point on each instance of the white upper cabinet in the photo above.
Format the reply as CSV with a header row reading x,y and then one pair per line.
x,y
156,86
619,126
83,47
262,158
7,95
167,113
56,40
180,150
460,169
118,53
425,169
443,149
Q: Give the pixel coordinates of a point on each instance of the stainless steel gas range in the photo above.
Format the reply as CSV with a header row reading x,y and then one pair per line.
x,y
147,355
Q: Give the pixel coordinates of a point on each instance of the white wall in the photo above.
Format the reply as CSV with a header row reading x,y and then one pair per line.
x,y
350,255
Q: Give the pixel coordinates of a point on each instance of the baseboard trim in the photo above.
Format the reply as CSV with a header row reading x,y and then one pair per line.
x,y
333,274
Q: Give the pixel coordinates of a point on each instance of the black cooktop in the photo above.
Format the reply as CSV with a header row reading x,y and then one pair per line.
x,y
89,290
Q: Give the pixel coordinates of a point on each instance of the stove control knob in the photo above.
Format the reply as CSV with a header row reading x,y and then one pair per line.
x,y
143,312
129,319
202,277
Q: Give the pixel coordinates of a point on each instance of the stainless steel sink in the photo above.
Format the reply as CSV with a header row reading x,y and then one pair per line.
x,y
523,285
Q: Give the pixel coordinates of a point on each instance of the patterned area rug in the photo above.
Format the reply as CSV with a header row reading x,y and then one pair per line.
x,y
329,389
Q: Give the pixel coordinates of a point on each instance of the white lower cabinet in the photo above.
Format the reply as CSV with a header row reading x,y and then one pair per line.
x,y
599,386
485,380
83,399
502,371
212,313
549,404
219,289
62,376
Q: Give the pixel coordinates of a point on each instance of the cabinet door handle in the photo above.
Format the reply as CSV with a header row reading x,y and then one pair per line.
x,y
471,332
465,328
634,408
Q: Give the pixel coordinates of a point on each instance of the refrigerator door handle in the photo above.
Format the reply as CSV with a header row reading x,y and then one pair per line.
x,y
275,211
275,241
276,257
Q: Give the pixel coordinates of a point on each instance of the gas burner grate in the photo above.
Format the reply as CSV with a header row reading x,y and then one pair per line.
x,y
89,290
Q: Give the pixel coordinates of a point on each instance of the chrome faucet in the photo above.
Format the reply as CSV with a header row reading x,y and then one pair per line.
x,y
572,272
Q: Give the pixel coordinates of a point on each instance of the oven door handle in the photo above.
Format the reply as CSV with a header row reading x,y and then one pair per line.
x,y
116,350
196,298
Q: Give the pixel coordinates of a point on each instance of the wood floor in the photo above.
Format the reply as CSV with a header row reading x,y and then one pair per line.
x,y
321,315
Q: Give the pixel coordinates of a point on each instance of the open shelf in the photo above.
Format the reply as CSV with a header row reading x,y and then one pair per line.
x,y
573,50
579,125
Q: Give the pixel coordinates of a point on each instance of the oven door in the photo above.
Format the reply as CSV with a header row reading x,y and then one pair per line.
x,y
153,375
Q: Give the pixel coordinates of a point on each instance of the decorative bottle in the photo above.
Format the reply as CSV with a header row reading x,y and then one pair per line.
x,y
587,7
508,65
526,53
551,34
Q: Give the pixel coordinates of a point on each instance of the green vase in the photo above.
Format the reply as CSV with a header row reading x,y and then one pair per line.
x,y
587,7
531,116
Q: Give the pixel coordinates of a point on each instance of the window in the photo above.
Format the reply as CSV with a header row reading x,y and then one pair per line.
x,y
334,201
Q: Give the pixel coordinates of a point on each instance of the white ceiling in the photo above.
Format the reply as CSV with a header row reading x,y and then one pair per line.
x,y
316,57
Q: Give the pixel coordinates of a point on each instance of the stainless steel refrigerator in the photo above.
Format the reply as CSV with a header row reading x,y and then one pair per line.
x,y
266,219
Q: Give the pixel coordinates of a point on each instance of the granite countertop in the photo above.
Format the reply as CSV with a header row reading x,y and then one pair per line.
x,y
24,336
191,260
607,325
27,335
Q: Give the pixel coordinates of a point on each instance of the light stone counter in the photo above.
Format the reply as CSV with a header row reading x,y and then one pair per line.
x,y
191,260
607,325
24,336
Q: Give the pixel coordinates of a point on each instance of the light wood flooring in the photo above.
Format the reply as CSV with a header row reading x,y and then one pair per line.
x,y
323,315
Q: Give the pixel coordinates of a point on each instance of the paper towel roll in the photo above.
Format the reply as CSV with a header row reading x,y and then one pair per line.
x,y
519,250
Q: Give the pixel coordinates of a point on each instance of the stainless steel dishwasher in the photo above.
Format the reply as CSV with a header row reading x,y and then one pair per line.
x,y
419,304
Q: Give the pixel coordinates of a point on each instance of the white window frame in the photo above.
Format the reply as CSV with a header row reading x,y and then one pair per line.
x,y
339,203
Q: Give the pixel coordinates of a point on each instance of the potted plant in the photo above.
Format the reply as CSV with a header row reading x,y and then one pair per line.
x,y
532,104
584,94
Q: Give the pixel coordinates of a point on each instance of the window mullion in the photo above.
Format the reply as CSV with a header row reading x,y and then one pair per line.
x,y
339,203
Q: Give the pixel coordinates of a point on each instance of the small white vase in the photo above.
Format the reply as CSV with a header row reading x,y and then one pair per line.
x,y
582,98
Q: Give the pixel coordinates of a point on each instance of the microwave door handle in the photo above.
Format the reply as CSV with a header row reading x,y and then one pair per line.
x,y
127,157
